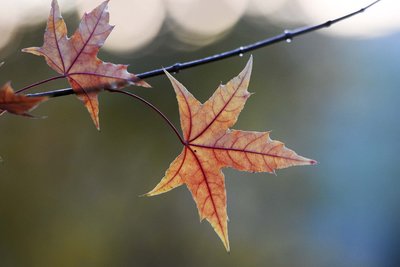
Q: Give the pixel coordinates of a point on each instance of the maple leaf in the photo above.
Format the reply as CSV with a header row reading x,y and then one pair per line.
x,y
209,146
16,103
76,57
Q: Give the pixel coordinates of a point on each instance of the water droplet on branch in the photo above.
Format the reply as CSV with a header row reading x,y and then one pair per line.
x,y
288,36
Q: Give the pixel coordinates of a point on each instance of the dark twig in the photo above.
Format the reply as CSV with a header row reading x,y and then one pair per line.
x,y
147,103
287,35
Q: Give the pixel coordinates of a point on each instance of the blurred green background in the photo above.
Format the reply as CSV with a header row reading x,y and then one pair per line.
x,y
69,194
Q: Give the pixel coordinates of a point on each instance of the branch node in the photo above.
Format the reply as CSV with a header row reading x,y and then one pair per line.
x,y
288,35
176,67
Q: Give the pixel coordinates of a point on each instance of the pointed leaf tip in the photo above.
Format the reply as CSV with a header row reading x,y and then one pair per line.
x,y
54,3
250,61
247,69
227,247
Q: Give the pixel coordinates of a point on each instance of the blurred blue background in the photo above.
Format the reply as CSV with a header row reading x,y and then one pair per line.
x,y
69,194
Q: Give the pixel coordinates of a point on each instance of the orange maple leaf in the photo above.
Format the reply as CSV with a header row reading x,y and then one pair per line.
x,y
76,57
209,146
17,104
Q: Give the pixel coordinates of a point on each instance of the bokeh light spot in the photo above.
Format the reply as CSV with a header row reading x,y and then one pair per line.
x,y
137,22
206,17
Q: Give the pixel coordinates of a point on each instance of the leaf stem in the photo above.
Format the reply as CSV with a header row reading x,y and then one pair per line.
x,y
286,35
147,103
40,83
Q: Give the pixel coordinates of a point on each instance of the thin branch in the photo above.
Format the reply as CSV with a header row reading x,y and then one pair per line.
x,y
147,103
287,35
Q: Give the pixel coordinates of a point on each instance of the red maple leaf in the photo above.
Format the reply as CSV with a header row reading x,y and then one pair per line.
x,y
209,146
76,57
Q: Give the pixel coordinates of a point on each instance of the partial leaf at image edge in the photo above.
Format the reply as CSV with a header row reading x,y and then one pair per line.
x,y
17,104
